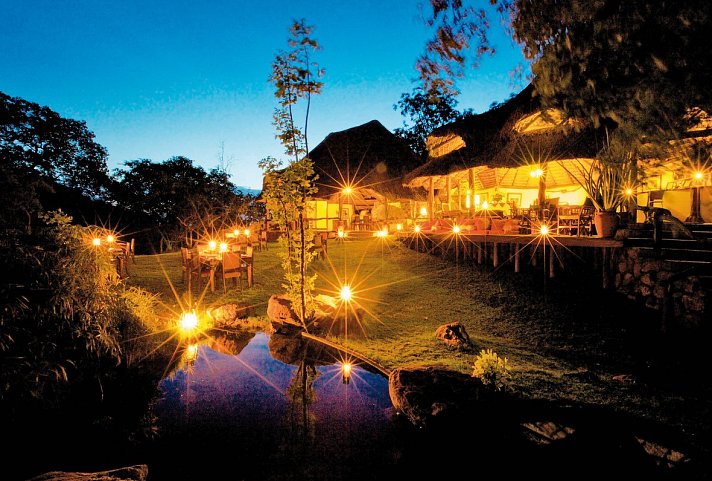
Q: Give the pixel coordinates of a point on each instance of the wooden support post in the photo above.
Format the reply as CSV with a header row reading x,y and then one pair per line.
x,y
471,188
552,262
516,257
431,199
448,188
495,254
604,264
480,249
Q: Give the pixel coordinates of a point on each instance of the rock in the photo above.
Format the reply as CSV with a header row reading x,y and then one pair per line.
x,y
624,378
138,472
289,349
547,432
426,393
279,311
230,315
329,317
454,334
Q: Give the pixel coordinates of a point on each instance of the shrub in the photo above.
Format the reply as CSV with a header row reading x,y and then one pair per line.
x,y
492,370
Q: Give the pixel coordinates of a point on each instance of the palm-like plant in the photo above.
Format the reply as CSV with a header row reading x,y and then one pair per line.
x,y
608,178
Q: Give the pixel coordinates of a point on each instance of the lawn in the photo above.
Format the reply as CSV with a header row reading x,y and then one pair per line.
x,y
565,339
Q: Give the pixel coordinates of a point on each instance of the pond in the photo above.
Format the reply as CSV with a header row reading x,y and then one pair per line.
x,y
272,408
243,406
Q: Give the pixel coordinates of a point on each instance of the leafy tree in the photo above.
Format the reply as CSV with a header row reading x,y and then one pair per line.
x,y
286,192
295,77
177,193
426,110
38,147
641,63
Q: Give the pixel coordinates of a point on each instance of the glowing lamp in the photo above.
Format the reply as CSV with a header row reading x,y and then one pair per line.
x,y
629,192
423,211
544,230
536,172
223,247
247,232
456,229
346,190
399,226
485,205
477,200
96,242
188,322
345,372
341,234
698,175
345,293
236,232
109,238
467,199
416,229
191,352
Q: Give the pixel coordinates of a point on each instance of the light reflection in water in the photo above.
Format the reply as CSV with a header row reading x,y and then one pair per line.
x,y
278,401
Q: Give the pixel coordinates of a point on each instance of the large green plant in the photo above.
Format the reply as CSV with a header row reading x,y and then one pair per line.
x,y
286,192
609,176
63,311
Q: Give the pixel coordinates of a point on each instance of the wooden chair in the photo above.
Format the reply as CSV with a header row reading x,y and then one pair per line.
x,y
255,241
319,247
232,268
198,270
186,265
248,265
569,220
586,220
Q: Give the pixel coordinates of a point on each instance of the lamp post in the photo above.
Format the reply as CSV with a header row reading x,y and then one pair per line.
x,y
695,215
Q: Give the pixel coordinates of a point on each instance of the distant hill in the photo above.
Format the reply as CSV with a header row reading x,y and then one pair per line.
x,y
248,191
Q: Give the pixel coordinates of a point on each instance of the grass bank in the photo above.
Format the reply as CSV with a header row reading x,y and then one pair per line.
x,y
565,339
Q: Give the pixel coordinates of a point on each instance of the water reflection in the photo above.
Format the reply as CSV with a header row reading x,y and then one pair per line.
x,y
269,407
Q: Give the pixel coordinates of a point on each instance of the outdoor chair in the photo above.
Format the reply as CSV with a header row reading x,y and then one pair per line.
x,y
232,268
198,270
319,247
186,263
586,220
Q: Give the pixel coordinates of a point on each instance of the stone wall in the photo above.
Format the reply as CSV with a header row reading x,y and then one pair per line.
x,y
664,286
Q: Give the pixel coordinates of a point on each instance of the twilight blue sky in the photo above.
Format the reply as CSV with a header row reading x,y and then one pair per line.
x,y
157,78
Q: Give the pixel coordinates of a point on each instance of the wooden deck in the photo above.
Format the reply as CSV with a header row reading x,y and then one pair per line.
x,y
553,251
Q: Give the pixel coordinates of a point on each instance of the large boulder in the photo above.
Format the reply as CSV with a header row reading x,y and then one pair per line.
x,y
425,394
454,335
279,311
229,316
138,472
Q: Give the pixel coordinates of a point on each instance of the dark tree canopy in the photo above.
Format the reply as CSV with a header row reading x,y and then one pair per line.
x,y
37,140
427,110
642,63
169,190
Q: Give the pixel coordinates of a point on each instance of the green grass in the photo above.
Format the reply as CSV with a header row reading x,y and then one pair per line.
x,y
565,339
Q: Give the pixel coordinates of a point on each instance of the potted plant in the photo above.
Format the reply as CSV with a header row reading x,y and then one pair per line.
x,y
605,181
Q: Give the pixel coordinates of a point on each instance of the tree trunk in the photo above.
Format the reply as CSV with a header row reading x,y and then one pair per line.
x,y
302,262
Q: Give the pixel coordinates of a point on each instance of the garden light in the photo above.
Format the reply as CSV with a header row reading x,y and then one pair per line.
x,y
544,230
187,323
345,293
212,245
416,229
345,372
456,229
96,242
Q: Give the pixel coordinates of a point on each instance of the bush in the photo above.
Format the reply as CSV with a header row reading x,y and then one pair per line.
x,y
492,370
64,314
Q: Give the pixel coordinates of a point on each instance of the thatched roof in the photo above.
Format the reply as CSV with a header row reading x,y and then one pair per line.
x,y
369,157
512,135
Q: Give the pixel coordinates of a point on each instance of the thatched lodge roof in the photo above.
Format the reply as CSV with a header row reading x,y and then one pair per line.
x,y
504,141
368,157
